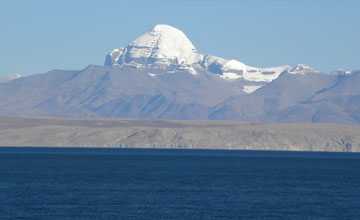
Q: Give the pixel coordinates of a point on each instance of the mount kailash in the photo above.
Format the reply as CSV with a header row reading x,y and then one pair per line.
x,y
160,74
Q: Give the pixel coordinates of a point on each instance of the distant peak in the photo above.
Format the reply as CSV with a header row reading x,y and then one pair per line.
x,y
341,72
8,78
302,68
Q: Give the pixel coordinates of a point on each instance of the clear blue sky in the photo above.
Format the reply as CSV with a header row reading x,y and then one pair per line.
x,y
39,35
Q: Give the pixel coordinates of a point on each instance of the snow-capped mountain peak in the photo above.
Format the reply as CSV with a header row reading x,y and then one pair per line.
x,y
162,45
168,48
302,69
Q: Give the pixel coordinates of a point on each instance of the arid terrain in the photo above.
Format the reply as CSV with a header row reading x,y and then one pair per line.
x,y
156,133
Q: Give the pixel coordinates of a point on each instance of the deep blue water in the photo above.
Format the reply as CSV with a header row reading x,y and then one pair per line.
x,y
74,183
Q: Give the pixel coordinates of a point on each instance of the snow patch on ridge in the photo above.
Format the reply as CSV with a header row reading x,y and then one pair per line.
x,y
230,76
264,74
193,71
9,78
152,74
251,89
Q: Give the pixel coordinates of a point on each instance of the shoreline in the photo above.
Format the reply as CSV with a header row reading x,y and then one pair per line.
x,y
170,134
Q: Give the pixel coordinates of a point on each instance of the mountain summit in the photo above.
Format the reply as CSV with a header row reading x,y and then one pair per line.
x,y
162,45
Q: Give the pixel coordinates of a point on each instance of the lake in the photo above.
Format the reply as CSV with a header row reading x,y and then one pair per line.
x,y
85,183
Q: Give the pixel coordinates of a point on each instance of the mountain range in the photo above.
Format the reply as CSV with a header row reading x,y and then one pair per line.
x,y
160,74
